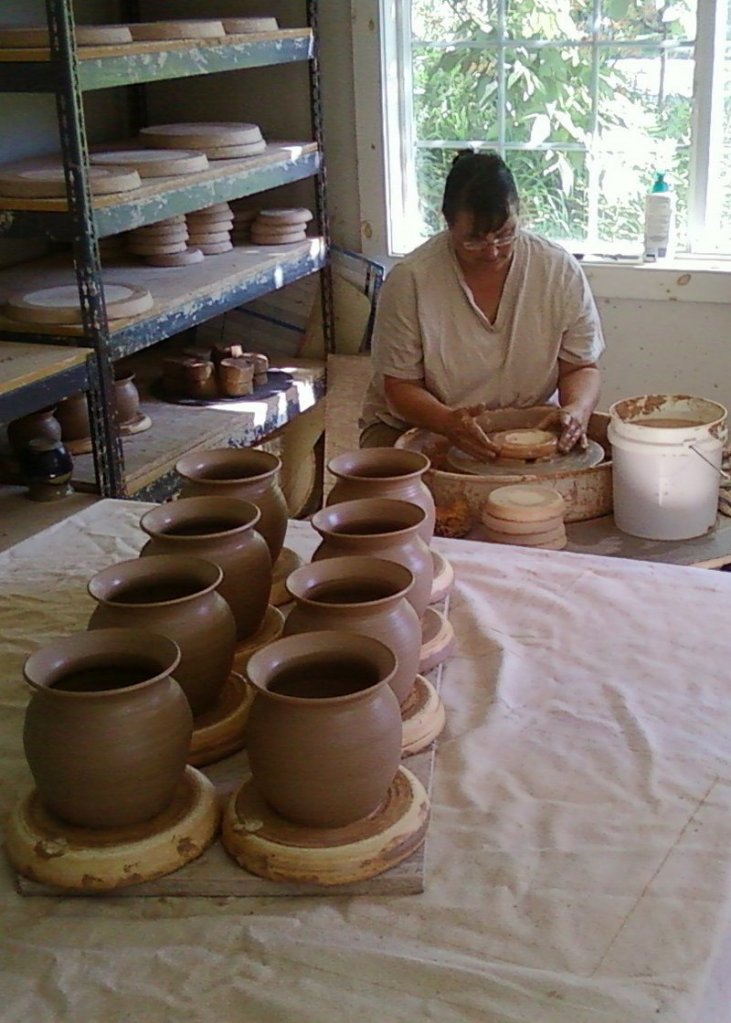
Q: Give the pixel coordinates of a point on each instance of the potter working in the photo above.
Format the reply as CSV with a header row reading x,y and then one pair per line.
x,y
485,315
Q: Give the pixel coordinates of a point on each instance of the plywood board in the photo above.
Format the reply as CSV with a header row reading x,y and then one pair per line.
x,y
22,364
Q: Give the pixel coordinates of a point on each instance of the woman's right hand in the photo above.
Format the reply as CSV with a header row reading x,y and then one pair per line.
x,y
464,432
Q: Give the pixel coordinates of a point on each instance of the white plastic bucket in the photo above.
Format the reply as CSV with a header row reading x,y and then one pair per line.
x,y
666,464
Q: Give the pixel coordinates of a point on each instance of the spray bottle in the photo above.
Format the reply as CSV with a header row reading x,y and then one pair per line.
x,y
659,220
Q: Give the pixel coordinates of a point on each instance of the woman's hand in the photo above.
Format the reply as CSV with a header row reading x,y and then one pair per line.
x,y
572,423
462,429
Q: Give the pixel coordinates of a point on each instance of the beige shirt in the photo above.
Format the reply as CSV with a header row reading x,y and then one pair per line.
x,y
429,329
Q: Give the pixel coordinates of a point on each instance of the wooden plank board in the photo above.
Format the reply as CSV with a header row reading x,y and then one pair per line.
x,y
180,289
22,364
153,188
601,536
43,54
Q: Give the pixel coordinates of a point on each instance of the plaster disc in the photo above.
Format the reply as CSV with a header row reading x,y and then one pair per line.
x,y
422,716
237,152
50,183
86,35
60,304
576,459
205,219
266,238
201,135
525,502
535,539
157,249
240,26
172,232
299,215
153,163
196,29
274,229
518,529
186,258
215,248
209,238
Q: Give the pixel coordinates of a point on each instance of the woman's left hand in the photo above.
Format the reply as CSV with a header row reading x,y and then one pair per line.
x,y
572,422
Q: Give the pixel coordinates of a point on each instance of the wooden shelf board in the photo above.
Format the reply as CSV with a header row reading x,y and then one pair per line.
x,y
43,54
25,364
161,189
185,295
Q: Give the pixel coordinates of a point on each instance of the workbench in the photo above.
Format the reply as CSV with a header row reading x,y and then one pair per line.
x,y
579,858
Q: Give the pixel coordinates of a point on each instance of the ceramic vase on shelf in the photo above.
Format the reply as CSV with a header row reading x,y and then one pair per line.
x,y
41,425
107,729
244,473
222,530
384,472
381,528
173,594
324,735
73,415
126,396
363,595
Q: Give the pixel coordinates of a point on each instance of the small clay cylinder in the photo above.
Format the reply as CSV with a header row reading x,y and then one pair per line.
x,y
73,415
235,377
199,378
41,425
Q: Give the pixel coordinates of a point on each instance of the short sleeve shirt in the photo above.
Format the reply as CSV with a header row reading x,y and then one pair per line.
x,y
429,329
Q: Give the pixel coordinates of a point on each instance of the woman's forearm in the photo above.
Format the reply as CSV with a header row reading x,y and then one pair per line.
x,y
410,401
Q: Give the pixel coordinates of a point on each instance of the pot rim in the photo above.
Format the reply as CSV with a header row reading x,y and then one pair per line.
x,y
189,465
374,505
339,568
329,641
129,641
344,466
231,505
152,566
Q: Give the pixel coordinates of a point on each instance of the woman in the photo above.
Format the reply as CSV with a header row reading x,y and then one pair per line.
x,y
483,316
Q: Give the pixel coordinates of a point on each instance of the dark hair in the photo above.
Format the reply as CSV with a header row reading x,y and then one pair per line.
x,y
481,184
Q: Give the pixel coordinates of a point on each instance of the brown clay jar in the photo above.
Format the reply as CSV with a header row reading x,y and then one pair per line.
x,y
363,595
73,415
382,528
244,473
107,729
222,530
175,595
126,397
384,472
324,734
41,425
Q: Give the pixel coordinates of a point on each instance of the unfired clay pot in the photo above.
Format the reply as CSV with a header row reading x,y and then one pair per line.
x,y
173,594
41,425
73,415
384,472
126,397
221,530
324,735
363,595
382,528
244,473
107,729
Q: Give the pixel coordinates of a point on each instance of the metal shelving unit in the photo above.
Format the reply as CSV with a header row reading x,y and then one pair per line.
x,y
197,293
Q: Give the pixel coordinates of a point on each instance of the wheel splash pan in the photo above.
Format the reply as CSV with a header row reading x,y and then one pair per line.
x,y
587,492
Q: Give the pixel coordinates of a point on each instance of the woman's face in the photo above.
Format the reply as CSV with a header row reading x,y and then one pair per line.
x,y
494,249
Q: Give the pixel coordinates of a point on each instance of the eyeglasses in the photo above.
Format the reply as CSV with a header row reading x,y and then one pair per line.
x,y
501,242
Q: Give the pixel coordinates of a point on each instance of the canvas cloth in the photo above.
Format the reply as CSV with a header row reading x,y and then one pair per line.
x,y
579,851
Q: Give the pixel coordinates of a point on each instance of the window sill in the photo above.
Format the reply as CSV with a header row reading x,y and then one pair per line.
x,y
683,279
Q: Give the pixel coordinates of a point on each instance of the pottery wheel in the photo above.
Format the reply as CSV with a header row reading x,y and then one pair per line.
x,y
267,845
270,629
422,717
437,639
550,466
45,849
219,731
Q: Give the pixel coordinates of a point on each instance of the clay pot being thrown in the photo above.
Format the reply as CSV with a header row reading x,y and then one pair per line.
x,y
126,396
175,595
324,735
363,595
381,528
41,425
107,729
244,473
384,472
221,530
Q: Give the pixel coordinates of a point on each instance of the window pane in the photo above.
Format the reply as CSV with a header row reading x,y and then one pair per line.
x,y
456,20
549,19
548,96
455,94
648,19
723,238
432,167
553,188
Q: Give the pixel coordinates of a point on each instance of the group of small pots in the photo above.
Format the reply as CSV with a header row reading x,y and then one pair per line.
x,y
109,726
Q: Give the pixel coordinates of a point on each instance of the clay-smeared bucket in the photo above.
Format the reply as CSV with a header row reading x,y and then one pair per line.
x,y
666,452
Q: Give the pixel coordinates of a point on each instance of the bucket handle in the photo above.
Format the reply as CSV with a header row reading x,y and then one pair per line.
x,y
721,473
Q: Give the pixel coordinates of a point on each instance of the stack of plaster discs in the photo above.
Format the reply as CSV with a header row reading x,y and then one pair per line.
x,y
280,227
210,229
164,243
526,514
243,219
219,140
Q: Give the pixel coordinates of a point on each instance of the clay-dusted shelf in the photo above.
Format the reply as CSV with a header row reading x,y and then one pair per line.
x,y
184,296
150,457
102,67
158,198
32,376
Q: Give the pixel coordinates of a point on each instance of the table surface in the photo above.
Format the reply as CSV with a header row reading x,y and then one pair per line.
x,y
579,862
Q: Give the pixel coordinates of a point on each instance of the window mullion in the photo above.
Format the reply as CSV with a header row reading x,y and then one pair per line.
x,y
501,88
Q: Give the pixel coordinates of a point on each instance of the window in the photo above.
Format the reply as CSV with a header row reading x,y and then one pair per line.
x,y
585,100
